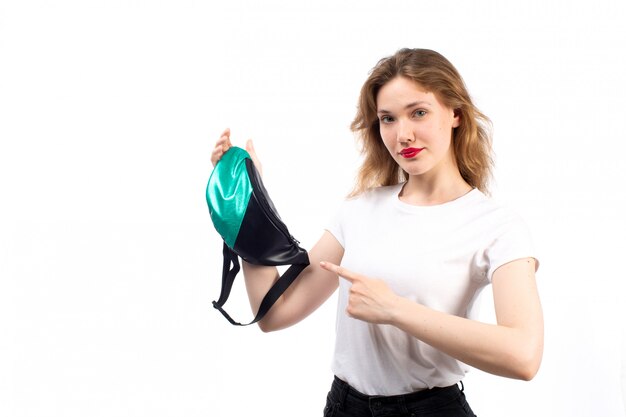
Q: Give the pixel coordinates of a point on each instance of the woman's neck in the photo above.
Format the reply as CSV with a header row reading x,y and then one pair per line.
x,y
421,191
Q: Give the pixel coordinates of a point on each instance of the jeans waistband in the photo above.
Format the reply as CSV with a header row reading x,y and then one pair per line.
x,y
412,397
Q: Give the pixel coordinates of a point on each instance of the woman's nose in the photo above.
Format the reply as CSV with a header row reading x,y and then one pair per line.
x,y
405,133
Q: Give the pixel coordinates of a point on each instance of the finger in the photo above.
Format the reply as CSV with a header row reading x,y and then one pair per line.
x,y
226,145
225,136
329,266
224,140
339,270
220,144
223,144
216,155
250,149
253,155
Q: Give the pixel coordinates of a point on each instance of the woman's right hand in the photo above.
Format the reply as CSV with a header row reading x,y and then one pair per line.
x,y
223,144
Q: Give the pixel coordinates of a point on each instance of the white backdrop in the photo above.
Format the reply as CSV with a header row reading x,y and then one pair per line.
x,y
108,259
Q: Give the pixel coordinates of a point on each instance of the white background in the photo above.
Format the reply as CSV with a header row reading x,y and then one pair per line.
x,y
108,259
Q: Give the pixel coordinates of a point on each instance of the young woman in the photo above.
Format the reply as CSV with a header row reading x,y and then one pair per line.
x,y
411,249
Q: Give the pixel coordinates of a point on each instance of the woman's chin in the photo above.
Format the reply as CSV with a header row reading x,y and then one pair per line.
x,y
413,171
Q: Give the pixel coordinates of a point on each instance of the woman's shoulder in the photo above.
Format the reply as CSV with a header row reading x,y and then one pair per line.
x,y
498,216
495,205
382,192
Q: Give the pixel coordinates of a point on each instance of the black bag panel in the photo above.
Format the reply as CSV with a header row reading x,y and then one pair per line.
x,y
259,188
266,241
263,238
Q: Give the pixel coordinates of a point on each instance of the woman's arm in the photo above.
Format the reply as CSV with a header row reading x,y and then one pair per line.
x,y
512,348
312,287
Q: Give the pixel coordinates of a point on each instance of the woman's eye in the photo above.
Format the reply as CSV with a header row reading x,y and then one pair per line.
x,y
386,119
420,113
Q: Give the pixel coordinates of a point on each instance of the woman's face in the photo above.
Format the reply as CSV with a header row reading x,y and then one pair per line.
x,y
416,127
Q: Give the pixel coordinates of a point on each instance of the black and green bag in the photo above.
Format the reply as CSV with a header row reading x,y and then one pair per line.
x,y
244,215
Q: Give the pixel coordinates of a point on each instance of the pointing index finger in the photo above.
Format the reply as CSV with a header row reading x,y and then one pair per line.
x,y
339,270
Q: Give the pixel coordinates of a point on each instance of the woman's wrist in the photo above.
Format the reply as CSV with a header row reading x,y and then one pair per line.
x,y
403,310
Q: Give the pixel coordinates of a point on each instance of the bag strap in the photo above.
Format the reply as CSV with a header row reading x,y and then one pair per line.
x,y
274,293
228,275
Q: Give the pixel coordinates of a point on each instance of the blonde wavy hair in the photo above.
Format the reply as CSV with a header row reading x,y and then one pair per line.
x,y
471,139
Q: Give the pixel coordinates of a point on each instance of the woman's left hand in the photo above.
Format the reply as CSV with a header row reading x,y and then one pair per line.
x,y
370,300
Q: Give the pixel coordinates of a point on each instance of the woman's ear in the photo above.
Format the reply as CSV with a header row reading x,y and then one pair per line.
x,y
457,118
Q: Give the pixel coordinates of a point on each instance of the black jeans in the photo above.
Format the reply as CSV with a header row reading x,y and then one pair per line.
x,y
345,401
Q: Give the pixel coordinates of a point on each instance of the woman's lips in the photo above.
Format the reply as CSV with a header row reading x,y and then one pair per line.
x,y
409,153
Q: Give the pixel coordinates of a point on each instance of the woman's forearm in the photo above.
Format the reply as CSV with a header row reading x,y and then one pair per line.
x,y
259,279
497,349
312,287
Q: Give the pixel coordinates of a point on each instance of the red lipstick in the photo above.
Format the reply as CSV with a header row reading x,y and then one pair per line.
x,y
409,153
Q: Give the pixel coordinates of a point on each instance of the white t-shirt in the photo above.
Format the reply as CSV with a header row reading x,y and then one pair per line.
x,y
440,256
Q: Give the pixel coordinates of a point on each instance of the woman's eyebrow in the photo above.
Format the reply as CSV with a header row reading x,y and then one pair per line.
x,y
408,106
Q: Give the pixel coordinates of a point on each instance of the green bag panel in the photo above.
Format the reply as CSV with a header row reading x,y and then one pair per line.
x,y
228,193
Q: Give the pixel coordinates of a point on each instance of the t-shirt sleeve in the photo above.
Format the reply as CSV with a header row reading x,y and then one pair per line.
x,y
513,243
336,223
